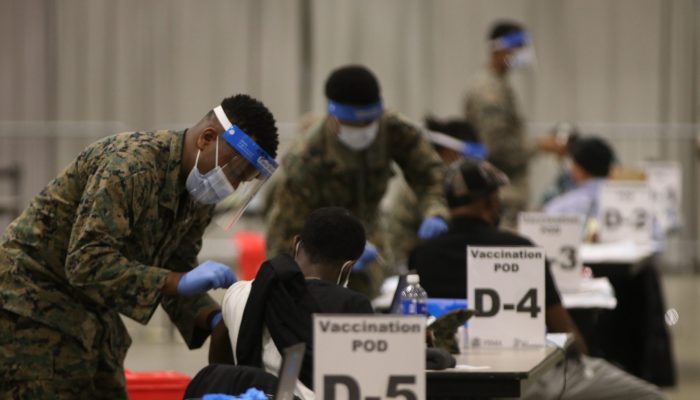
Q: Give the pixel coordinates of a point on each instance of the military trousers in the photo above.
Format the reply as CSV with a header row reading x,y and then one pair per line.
x,y
40,362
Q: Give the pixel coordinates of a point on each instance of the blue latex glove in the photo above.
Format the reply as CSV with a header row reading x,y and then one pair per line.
x,y
218,396
431,227
369,254
250,394
208,275
214,321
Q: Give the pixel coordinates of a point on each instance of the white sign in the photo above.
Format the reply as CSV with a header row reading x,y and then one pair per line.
x,y
625,212
506,287
561,236
665,182
369,357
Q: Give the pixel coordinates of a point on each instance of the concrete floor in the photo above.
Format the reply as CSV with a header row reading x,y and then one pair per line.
x,y
154,349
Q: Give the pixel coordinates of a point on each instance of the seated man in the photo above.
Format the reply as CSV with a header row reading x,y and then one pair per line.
x,y
592,159
274,311
636,335
472,193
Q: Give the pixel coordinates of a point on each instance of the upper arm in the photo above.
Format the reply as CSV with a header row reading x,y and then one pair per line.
x,y
115,195
220,351
418,160
113,199
232,308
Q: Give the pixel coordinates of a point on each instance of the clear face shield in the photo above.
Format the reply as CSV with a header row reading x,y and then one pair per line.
x,y
473,150
247,172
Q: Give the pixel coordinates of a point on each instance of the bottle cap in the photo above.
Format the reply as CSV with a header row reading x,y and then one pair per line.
x,y
412,278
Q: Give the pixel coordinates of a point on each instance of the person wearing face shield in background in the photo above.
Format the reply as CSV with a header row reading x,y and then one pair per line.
x,y
453,140
490,105
345,160
118,232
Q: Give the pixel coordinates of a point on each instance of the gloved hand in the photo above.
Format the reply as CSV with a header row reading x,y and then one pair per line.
x,y
431,227
214,320
369,254
208,275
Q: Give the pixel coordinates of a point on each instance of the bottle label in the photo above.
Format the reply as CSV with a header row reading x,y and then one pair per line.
x,y
413,307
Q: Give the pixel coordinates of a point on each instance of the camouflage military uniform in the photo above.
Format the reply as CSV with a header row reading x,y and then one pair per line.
x,y
98,241
320,171
400,220
491,107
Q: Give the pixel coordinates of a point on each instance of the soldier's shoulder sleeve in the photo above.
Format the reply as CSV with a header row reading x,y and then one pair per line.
x,y
118,190
420,164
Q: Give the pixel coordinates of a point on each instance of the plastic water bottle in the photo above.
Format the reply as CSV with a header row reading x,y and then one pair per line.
x,y
414,299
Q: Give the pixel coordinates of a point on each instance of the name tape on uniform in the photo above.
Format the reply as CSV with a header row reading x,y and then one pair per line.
x,y
625,212
369,357
506,287
561,237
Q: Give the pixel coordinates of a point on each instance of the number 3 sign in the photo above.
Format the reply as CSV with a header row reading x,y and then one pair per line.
x,y
560,235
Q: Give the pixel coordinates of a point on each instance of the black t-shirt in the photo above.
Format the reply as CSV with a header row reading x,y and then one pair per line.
x,y
334,299
441,262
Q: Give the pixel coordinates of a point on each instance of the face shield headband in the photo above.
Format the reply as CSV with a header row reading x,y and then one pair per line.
x,y
511,41
252,170
355,114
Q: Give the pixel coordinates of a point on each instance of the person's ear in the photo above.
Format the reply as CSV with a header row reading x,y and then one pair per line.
x,y
206,137
295,245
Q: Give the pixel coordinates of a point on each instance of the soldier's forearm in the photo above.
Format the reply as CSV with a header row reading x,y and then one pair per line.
x,y
171,282
201,321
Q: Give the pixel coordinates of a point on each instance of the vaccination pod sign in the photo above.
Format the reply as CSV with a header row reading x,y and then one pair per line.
x,y
369,357
625,212
561,237
506,287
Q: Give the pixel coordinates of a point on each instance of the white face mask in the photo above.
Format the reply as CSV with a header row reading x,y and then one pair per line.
x,y
358,138
521,59
212,187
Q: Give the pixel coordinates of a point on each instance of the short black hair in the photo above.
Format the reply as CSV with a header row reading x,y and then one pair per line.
x,y
353,85
503,28
254,119
457,128
332,235
594,155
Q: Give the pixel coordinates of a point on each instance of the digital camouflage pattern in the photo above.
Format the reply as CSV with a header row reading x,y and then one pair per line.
x,y
320,171
97,242
490,106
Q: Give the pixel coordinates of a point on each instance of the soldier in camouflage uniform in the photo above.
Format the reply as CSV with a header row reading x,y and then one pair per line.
x,y
400,216
345,160
490,105
115,233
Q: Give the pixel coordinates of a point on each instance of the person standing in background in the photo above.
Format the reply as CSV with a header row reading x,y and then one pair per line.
x,y
345,160
491,107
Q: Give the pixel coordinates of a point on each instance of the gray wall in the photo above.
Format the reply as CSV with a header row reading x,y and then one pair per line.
x,y
625,68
